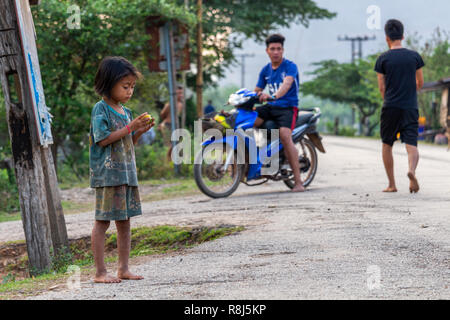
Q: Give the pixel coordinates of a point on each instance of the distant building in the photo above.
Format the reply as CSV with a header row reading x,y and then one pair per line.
x,y
444,85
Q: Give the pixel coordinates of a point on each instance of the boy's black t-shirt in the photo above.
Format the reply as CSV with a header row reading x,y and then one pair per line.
x,y
399,67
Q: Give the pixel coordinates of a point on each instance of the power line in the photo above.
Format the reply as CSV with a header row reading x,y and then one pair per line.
x,y
359,39
359,54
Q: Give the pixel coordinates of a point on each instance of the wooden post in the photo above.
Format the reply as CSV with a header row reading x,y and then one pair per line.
x,y
199,80
39,198
183,77
168,44
448,116
336,126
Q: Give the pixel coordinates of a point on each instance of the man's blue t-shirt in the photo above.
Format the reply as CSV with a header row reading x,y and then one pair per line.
x,y
274,79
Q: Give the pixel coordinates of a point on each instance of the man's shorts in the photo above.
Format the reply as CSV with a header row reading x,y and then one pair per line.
x,y
282,116
403,121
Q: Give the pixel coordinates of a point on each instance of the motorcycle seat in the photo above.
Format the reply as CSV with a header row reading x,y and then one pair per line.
x,y
303,118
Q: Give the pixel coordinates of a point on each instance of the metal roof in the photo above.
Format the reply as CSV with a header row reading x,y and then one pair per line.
x,y
436,85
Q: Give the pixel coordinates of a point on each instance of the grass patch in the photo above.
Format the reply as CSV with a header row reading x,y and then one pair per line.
x,y
15,282
70,207
9,216
16,289
74,184
163,189
170,189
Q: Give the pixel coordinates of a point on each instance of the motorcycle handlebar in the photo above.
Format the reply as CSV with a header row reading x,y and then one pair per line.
x,y
256,98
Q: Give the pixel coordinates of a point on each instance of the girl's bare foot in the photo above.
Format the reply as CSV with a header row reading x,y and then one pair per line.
x,y
106,278
413,184
390,189
127,275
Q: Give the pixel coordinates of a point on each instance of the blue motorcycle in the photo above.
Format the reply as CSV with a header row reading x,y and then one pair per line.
x,y
231,154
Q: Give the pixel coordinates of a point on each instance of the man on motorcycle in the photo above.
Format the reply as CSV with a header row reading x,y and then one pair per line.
x,y
281,75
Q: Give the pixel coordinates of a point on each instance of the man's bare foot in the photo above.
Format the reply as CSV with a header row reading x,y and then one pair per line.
x,y
413,183
127,275
298,188
106,278
390,189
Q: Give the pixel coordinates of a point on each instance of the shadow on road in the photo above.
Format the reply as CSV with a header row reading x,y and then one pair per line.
x,y
279,192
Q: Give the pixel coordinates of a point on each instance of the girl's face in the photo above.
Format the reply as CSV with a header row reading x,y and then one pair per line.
x,y
123,90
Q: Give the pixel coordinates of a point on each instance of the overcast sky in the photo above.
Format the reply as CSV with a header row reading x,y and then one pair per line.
x,y
319,42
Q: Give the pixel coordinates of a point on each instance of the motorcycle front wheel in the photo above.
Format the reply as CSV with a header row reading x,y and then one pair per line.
x,y
209,172
307,157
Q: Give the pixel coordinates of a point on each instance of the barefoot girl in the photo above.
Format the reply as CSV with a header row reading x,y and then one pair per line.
x,y
113,135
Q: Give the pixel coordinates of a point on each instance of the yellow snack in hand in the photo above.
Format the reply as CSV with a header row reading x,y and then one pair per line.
x,y
149,118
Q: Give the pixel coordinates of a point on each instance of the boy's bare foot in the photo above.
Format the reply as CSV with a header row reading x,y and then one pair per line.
x,y
106,278
413,184
127,275
298,188
390,189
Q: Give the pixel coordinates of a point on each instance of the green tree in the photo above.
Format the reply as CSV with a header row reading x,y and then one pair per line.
x,y
351,83
436,55
69,58
227,23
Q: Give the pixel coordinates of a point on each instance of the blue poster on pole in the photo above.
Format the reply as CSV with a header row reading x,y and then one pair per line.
x,y
28,38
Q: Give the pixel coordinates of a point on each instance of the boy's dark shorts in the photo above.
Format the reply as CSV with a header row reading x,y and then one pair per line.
x,y
283,116
403,121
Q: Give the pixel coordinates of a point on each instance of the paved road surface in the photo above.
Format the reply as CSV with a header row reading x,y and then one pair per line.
x,y
343,239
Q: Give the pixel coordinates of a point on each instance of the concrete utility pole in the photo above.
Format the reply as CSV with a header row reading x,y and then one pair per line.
x,y
40,202
243,56
359,40
183,79
168,44
355,53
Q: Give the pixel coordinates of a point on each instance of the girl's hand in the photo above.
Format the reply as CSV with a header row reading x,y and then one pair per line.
x,y
139,122
147,127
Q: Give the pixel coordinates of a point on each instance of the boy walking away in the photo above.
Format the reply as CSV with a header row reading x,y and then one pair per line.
x,y
400,76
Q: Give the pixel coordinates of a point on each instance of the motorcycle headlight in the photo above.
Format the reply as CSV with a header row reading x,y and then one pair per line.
x,y
237,99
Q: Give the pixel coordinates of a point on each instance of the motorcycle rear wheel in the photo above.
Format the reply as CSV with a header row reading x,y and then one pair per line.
x,y
308,160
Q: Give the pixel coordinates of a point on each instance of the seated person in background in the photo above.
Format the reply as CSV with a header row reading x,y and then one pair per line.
x,y
209,108
165,125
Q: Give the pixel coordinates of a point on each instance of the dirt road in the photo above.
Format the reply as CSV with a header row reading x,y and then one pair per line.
x,y
343,239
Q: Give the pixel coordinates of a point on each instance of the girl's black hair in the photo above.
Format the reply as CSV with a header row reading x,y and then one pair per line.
x,y
110,71
394,29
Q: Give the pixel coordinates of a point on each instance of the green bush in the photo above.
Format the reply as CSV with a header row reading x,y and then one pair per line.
x,y
347,131
152,162
9,196
74,168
